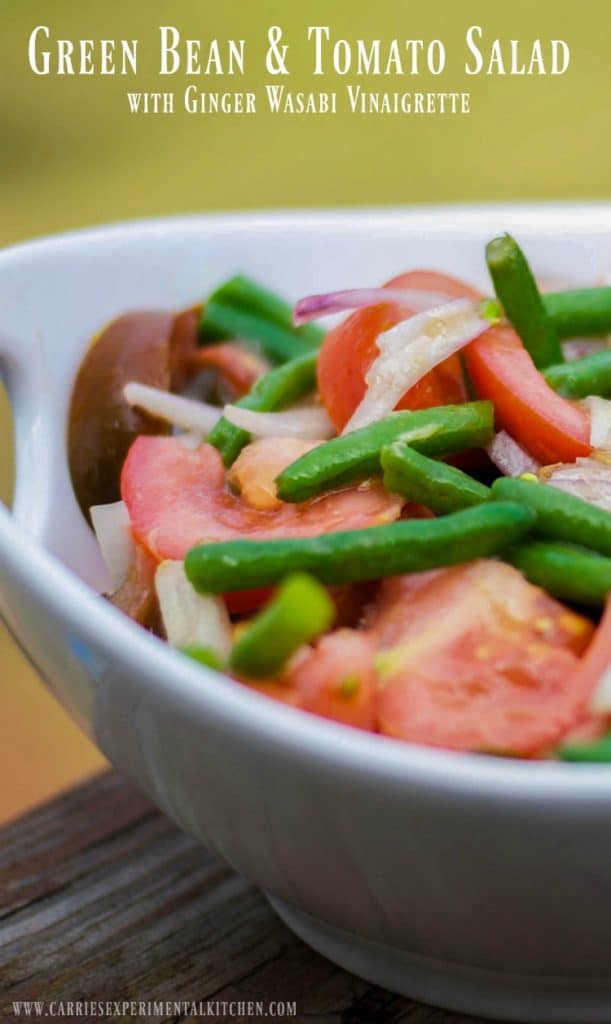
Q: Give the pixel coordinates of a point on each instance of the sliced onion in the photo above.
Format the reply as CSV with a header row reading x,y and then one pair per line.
x,y
186,413
314,306
114,535
588,479
190,618
308,422
577,348
600,702
508,456
191,439
410,350
600,422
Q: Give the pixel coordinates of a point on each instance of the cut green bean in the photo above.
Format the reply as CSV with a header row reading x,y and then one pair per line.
x,y
517,290
560,516
203,656
581,312
368,554
243,293
436,485
277,343
275,390
242,308
590,375
564,571
596,752
356,456
299,612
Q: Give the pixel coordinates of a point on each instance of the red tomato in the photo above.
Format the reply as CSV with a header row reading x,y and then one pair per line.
x,y
336,678
476,658
547,425
136,595
177,497
349,350
244,602
183,347
237,368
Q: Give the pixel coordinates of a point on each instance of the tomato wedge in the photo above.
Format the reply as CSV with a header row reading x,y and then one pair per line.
x,y
337,679
475,658
237,368
177,497
349,350
550,427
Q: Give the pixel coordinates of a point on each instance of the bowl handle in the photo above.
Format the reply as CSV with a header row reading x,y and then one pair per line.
x,y
29,393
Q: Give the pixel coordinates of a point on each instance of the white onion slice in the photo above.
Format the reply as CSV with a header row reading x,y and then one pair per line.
x,y
190,618
186,413
509,456
310,423
600,702
114,535
588,479
414,299
410,350
600,422
191,439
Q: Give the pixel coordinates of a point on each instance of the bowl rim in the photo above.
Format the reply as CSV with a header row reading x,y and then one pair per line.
x,y
204,692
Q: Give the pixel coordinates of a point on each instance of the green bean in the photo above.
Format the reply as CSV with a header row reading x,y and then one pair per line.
x,y
277,343
582,377
203,656
517,290
560,516
564,571
356,456
368,554
580,312
596,752
244,293
300,611
436,485
275,390
242,308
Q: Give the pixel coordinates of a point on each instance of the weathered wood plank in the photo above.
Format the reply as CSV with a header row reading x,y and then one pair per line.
x,y
101,897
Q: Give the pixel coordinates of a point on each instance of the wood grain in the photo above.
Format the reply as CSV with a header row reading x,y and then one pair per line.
x,y
101,897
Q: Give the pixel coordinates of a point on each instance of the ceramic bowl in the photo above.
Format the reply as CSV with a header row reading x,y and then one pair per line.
x,y
475,883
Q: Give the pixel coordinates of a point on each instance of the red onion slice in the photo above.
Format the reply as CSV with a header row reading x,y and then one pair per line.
x,y
414,300
588,479
509,456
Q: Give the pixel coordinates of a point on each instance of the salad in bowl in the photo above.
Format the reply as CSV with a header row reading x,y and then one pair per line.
x,y
401,522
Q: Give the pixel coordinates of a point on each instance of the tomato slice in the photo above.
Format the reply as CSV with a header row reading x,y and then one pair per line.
x,y
336,679
550,427
475,658
349,350
136,595
237,368
177,497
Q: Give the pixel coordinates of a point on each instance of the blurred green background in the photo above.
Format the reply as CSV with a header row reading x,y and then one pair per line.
x,y
71,155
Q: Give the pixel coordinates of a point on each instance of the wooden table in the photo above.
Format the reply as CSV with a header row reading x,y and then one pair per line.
x,y
102,898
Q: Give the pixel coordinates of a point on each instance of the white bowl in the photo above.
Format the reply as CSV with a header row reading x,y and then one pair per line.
x,y
476,883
